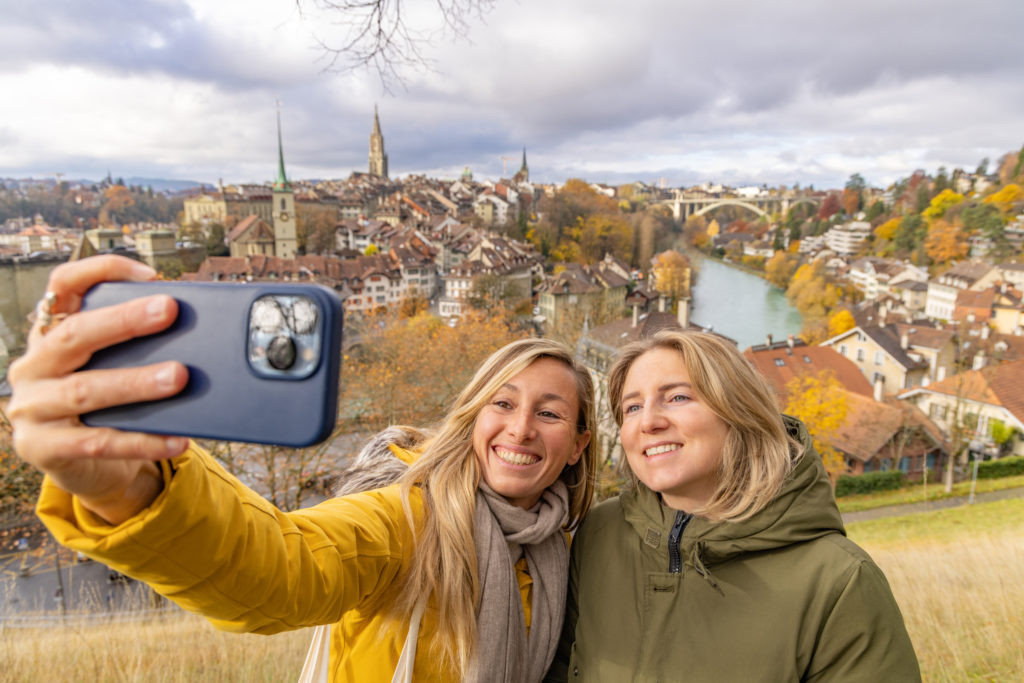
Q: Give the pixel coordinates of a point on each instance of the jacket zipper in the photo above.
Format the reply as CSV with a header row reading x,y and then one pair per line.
x,y
675,557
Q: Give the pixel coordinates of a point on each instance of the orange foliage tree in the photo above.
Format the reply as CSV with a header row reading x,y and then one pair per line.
x,y
408,371
820,402
945,242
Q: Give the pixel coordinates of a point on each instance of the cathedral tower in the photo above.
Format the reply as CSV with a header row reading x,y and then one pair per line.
x,y
285,239
378,159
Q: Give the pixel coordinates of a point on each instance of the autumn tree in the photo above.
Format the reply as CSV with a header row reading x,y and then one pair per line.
x,y
853,194
887,230
840,321
820,402
1007,199
580,224
408,371
941,203
695,232
813,291
945,242
118,197
779,269
830,206
671,275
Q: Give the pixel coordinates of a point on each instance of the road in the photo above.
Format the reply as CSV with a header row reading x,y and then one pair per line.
x,y
912,508
29,585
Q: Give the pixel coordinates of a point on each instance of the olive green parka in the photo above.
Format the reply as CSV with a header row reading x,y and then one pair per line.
x,y
656,595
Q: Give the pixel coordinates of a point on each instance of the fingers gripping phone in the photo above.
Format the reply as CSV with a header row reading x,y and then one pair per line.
x,y
263,361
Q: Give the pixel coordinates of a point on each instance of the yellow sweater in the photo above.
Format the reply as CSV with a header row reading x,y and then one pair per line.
x,y
215,547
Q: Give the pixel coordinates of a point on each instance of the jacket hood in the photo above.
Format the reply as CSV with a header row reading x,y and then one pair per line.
x,y
803,510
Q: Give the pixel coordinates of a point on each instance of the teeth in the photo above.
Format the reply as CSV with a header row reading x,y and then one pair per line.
x,y
658,450
514,458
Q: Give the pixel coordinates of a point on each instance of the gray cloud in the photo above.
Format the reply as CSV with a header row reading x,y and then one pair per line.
x,y
788,91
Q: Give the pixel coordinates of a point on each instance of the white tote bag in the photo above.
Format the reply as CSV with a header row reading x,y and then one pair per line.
x,y
315,668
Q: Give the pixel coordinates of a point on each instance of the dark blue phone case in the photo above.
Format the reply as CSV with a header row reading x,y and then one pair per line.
x,y
225,398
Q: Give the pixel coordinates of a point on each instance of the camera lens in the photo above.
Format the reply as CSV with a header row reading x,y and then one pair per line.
x,y
281,353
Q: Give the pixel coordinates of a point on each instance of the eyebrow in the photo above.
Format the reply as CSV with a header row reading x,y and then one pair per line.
x,y
550,396
661,389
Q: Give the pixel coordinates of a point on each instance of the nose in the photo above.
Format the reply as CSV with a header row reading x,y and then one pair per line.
x,y
652,418
520,426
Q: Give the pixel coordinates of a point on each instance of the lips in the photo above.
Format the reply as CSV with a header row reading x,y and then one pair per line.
x,y
663,448
515,457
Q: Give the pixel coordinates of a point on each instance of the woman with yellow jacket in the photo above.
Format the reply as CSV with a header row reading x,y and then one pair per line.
x,y
475,524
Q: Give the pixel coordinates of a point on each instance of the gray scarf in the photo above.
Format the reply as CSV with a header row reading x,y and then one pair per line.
x,y
503,534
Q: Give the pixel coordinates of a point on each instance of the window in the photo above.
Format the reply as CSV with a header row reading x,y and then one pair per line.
x,y
879,357
842,349
860,355
877,376
937,412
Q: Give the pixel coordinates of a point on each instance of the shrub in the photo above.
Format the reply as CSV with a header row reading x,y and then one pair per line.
x,y
872,482
1004,467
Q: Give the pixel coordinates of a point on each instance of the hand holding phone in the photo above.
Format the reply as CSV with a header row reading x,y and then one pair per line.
x,y
263,361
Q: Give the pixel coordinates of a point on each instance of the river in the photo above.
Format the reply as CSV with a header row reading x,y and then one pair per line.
x,y
740,305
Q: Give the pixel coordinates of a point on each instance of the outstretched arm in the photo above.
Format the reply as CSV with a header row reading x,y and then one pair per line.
x,y
113,473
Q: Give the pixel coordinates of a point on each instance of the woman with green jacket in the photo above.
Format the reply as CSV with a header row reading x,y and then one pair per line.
x,y
728,560
474,527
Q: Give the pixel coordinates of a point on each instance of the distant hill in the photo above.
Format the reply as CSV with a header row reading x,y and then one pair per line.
x,y
162,184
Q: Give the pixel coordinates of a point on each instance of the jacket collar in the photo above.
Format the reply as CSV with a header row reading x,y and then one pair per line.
x,y
803,510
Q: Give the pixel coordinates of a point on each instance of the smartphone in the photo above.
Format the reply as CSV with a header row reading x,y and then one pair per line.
x,y
263,361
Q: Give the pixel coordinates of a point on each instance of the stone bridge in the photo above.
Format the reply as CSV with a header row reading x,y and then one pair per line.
x,y
683,207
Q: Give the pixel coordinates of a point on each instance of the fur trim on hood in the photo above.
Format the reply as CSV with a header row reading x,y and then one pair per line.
x,y
377,465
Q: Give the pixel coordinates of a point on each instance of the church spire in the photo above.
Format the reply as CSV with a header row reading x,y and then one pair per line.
x,y
378,158
523,176
282,180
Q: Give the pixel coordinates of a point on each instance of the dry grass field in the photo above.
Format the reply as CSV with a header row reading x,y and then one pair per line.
x,y
958,575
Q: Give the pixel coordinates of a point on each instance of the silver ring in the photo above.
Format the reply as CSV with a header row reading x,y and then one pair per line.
x,y
44,315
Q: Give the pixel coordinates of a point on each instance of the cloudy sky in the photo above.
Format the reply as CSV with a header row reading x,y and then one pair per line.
x,y
680,91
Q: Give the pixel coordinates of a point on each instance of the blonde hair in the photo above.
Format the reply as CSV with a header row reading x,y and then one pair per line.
x,y
444,561
757,454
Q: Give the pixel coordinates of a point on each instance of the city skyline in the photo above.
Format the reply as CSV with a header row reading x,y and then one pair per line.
x,y
794,92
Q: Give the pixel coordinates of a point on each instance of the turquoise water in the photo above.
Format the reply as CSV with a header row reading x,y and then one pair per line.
x,y
739,305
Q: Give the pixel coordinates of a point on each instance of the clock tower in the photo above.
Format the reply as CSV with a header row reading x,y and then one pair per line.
x,y
285,240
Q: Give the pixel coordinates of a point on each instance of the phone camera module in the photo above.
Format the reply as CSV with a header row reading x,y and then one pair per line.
x,y
285,338
281,352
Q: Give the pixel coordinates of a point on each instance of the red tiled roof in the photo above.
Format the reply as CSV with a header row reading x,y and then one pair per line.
x,y
780,365
997,385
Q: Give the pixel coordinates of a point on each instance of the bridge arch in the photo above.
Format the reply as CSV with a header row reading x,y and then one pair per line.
x,y
731,202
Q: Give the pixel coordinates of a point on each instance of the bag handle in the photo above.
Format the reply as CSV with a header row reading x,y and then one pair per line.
x,y
316,667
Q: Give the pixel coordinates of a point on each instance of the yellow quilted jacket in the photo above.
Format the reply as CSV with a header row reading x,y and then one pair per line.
x,y
217,548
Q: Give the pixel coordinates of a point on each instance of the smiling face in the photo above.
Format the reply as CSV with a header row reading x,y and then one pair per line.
x,y
526,433
673,441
